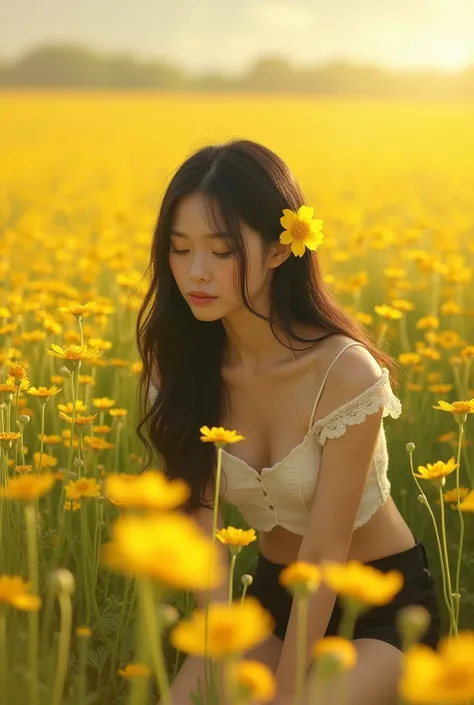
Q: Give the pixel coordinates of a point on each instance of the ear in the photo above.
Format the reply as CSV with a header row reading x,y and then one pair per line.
x,y
278,253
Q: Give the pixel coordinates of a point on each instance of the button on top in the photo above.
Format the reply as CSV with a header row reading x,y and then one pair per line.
x,y
265,494
271,506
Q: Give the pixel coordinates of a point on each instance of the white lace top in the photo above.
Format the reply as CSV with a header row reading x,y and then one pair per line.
x,y
283,494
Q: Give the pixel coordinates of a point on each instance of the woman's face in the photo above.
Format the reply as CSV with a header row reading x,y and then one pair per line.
x,y
205,269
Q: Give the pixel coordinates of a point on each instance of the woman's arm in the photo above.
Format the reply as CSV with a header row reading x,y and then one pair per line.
x,y
345,464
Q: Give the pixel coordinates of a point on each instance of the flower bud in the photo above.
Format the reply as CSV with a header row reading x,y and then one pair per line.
x,y
412,623
422,499
246,580
62,581
23,419
168,615
78,463
410,447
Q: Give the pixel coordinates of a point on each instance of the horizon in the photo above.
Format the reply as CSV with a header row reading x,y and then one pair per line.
x,y
200,38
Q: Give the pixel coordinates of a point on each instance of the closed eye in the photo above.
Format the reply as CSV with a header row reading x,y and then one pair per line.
x,y
178,252
223,254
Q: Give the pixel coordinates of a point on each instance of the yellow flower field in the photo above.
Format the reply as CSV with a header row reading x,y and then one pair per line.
x,y
91,558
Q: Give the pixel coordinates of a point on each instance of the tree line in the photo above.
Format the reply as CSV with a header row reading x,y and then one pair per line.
x,y
71,66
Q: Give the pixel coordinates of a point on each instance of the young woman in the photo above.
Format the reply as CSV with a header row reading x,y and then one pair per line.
x,y
238,331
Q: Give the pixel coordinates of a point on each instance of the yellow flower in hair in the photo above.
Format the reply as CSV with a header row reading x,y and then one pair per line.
x,y
301,230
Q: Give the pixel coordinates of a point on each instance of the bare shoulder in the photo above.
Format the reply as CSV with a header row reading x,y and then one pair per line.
x,y
354,371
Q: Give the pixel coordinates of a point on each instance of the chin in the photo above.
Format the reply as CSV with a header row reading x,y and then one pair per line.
x,y
206,314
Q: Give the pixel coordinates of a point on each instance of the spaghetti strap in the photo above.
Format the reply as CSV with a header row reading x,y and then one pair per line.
x,y
311,418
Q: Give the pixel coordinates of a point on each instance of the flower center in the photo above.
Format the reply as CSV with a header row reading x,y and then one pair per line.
x,y
300,230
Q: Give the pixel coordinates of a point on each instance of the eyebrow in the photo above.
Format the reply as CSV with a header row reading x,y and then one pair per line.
x,y
210,236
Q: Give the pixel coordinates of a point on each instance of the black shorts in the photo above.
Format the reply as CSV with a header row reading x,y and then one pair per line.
x,y
375,623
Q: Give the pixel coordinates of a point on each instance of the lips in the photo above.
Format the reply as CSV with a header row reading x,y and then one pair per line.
x,y
200,298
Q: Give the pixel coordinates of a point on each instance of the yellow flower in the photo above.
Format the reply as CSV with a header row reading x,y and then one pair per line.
x,y
236,537
457,407
301,230
8,388
52,440
427,322
362,583
28,487
73,354
149,490
18,370
118,412
436,472
409,359
338,653
403,305
84,487
450,308
467,505
300,577
47,461
364,319
8,437
97,443
78,309
445,677
79,420
168,547
69,407
15,592
72,506
103,403
467,353
44,392
219,436
452,495
233,629
134,670
427,352
23,468
440,388
83,632
387,312
253,681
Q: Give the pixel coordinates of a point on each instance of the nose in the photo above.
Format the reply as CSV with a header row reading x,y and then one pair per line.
x,y
199,271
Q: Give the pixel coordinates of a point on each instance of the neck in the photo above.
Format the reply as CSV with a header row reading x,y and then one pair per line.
x,y
251,342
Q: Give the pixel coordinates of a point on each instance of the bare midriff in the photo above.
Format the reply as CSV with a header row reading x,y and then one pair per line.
x,y
384,534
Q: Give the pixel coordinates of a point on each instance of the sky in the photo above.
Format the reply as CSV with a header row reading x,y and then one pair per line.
x,y
229,35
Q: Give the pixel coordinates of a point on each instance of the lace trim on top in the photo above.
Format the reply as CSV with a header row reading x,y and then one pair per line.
x,y
355,411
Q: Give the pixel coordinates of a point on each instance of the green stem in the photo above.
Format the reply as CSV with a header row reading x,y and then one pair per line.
x,y
65,608
33,617
3,653
43,407
86,574
457,588
453,627
155,645
215,514
81,675
350,614
231,576
403,334
302,621
118,633
116,449
438,541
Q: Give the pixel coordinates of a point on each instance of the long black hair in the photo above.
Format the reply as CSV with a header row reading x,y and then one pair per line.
x,y
240,181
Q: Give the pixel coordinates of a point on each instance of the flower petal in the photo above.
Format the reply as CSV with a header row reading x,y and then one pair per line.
x,y
286,238
298,248
305,213
288,219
